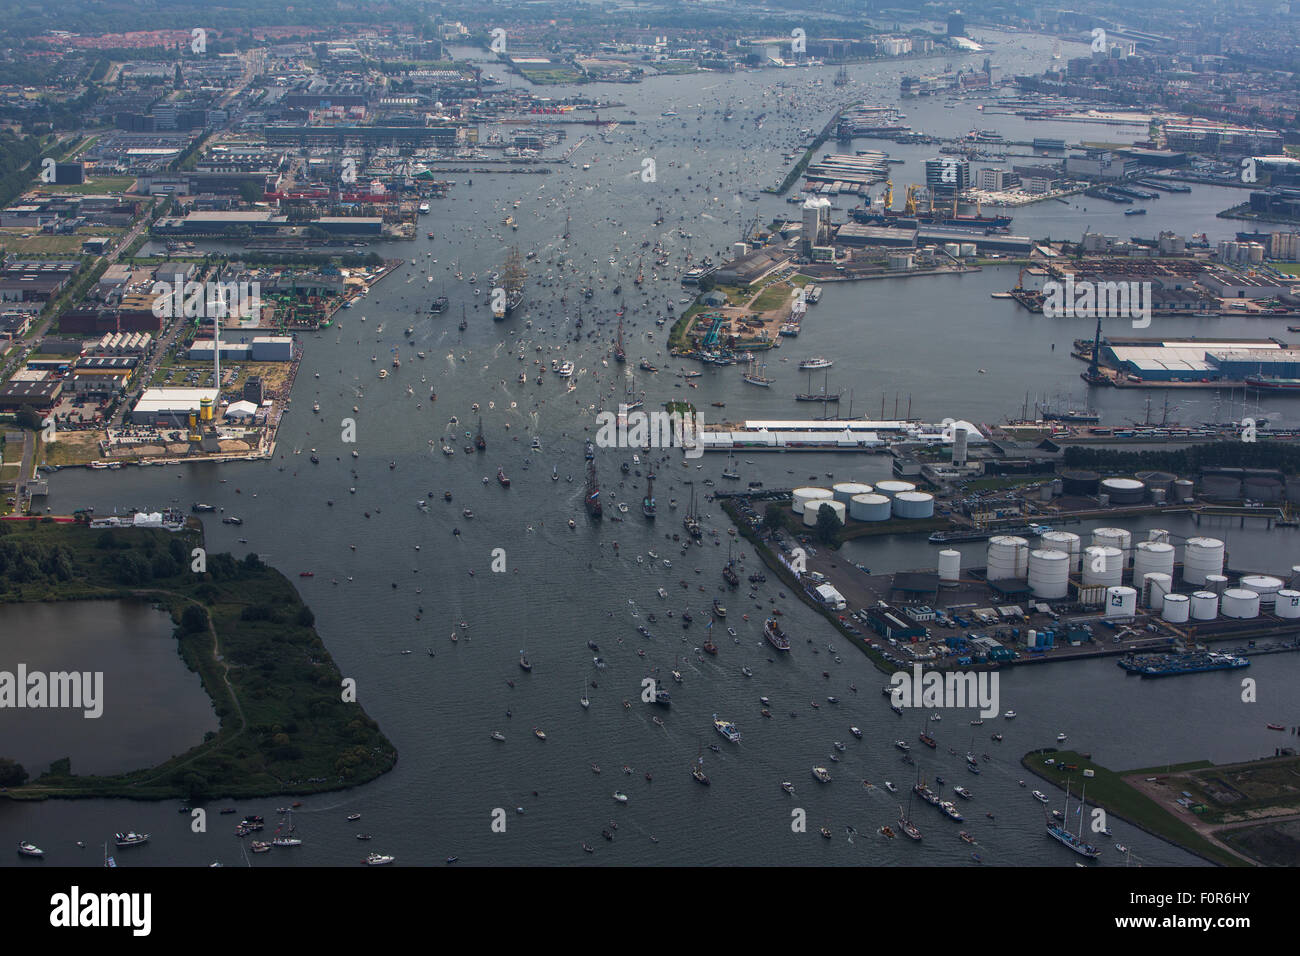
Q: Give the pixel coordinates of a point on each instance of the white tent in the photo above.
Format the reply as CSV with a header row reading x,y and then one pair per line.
x,y
241,410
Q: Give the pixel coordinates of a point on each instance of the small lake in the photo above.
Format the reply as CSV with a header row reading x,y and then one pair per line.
x,y
153,706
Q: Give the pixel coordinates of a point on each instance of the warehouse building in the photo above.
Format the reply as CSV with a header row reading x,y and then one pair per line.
x,y
170,406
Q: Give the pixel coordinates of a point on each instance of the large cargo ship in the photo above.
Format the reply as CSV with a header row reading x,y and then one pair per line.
x,y
930,218
1171,665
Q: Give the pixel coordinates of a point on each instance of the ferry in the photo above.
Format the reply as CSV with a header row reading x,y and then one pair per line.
x,y
378,859
565,370
775,636
815,363
822,774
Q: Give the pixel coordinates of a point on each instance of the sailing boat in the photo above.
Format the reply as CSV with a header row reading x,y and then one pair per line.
x,y
752,374
825,395
524,662
479,441
1075,842
592,500
109,862
904,820
697,771
730,471
513,275
464,323
729,572
692,522
619,354
284,832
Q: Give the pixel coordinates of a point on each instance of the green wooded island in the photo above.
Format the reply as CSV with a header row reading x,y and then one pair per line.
x,y
284,726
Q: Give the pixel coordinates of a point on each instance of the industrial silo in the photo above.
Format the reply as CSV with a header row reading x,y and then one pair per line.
x,y
1262,488
1218,583
1080,483
870,507
1176,608
1221,486
1156,480
1006,555
1102,567
811,512
1154,588
1288,604
1066,541
1158,534
1182,492
1152,556
1205,606
1121,602
1293,488
1124,491
845,490
1202,556
1265,585
1114,538
802,496
913,504
1049,574
949,565
891,488
1239,603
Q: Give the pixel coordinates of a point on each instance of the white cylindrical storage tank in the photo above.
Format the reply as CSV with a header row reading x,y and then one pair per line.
x,y
1202,556
1114,538
1155,586
1239,603
1205,606
1124,491
1176,609
1182,490
801,496
913,504
891,488
813,508
1158,534
870,507
1151,556
1102,566
1217,583
949,565
1049,574
1004,557
1121,602
1287,604
845,490
1066,541
1265,585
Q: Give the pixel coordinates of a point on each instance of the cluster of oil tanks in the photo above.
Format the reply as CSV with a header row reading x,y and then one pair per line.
x,y
1161,487
862,502
1111,554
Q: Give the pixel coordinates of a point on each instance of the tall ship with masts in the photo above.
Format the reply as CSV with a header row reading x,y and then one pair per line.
x,y
513,275
592,500
1075,842
619,354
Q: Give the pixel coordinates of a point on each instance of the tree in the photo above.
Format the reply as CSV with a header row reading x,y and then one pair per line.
x,y
12,773
773,516
828,526
194,619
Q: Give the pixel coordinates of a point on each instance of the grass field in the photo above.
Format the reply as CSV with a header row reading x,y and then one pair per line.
x,y
1108,790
